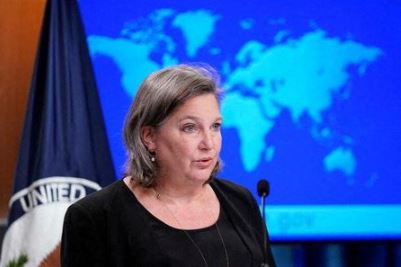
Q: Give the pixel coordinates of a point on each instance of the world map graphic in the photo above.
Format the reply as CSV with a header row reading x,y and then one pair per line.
x,y
298,80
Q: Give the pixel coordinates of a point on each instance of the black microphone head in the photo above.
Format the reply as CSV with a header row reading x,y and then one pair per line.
x,y
263,188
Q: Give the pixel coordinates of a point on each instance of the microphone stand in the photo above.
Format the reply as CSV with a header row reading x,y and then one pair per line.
x,y
263,200
263,189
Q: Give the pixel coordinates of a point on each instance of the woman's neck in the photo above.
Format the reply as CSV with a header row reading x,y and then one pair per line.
x,y
175,191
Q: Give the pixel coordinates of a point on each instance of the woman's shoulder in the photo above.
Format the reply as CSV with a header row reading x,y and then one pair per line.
x,y
237,200
101,199
231,189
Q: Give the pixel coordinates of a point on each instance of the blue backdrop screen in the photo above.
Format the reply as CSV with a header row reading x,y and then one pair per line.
x,y
312,99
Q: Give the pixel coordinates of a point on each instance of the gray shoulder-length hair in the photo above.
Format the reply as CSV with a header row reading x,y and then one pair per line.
x,y
158,96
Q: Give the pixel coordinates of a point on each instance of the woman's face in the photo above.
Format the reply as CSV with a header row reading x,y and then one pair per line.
x,y
188,143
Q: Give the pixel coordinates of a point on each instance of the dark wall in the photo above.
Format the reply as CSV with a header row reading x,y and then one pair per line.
x,y
20,22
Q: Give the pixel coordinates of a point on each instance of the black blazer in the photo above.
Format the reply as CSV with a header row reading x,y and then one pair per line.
x,y
106,229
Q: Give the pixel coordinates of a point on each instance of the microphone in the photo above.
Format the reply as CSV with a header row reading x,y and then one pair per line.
x,y
263,189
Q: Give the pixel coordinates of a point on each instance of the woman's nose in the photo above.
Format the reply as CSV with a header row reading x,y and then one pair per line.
x,y
207,141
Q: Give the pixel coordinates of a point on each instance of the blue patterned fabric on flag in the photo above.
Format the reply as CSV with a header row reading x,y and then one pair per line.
x,y
64,153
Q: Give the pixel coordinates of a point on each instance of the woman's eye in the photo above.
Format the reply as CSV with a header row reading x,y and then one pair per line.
x,y
189,128
216,126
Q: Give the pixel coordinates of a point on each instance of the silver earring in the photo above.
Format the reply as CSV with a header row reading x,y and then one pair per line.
x,y
152,156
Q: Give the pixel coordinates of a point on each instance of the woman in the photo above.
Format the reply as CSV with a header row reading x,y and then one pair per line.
x,y
169,210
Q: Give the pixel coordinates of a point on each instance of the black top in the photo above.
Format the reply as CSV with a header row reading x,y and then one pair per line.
x,y
205,242
111,228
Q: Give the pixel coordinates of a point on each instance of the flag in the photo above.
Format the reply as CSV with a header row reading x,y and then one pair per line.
x,y
64,153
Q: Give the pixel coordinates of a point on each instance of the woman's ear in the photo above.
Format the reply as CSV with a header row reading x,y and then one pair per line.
x,y
148,137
